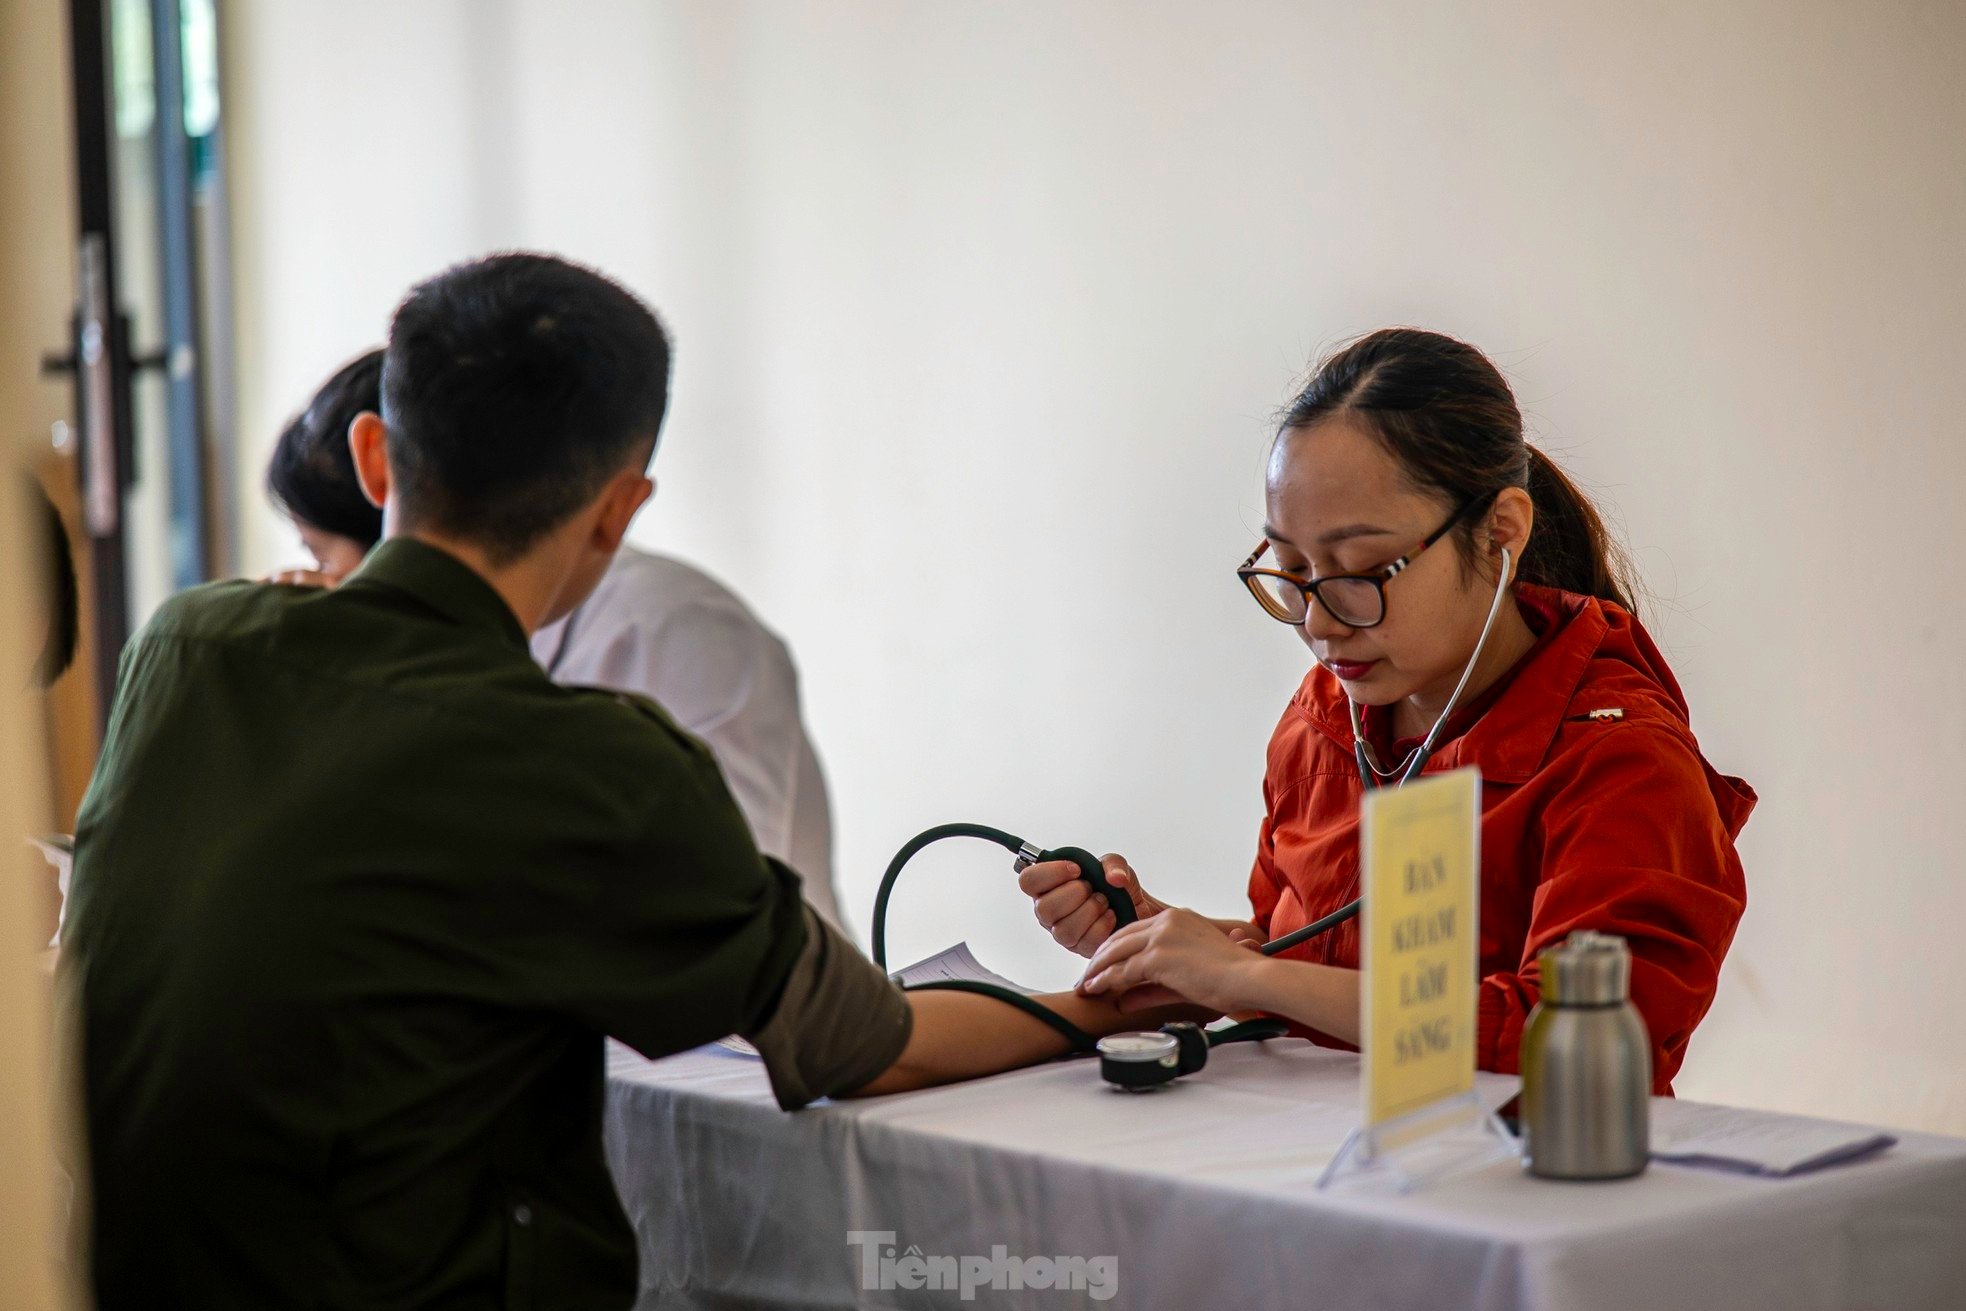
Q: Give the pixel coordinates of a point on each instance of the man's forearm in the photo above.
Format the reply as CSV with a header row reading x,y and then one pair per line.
x,y
961,1035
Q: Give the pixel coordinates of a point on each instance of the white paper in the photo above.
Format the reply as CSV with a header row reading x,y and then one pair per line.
x,y
58,849
1725,1138
957,962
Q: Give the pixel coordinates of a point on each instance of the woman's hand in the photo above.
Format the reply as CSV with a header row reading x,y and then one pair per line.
x,y
1078,918
1178,954
302,578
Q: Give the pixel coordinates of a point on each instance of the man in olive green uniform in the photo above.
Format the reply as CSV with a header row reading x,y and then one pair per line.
x,y
359,891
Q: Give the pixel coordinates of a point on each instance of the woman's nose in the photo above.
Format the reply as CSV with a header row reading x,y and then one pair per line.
x,y
1318,624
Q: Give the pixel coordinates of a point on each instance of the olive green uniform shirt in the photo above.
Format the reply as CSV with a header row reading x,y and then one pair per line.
x,y
358,893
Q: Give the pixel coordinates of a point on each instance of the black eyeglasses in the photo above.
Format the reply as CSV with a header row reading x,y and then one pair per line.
x,y
1354,600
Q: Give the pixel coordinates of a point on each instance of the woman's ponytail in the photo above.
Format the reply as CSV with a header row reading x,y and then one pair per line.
x,y
1569,548
1448,416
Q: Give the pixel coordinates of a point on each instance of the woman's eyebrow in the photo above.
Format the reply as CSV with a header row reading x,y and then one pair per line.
x,y
1350,531
1332,538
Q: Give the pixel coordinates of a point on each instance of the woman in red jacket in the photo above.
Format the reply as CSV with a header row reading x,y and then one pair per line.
x,y
1404,510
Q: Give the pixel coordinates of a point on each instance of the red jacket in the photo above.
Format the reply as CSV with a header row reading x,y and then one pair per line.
x,y
1614,823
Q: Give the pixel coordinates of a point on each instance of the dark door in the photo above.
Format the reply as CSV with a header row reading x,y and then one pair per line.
x,y
149,352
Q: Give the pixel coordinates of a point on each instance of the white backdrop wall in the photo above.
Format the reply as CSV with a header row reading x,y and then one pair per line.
x,y
982,310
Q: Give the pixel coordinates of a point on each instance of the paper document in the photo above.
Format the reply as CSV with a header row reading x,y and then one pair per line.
x,y
1755,1143
957,962
58,849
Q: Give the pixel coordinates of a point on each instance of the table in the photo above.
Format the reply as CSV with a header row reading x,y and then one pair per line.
x,y
1202,1196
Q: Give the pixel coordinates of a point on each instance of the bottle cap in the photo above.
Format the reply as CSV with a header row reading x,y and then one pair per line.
x,y
1586,969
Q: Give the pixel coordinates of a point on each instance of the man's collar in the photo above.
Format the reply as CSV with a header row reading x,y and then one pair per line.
x,y
443,582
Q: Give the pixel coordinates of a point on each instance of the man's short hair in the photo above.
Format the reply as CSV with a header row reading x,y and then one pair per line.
x,y
312,473
513,389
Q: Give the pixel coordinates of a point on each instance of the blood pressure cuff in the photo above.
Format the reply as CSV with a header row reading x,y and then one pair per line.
x,y
839,1021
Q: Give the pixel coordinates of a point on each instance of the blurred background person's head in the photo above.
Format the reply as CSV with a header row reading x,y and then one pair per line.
x,y
311,476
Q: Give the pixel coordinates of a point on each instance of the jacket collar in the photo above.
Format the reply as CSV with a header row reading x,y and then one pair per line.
x,y
1511,741
444,583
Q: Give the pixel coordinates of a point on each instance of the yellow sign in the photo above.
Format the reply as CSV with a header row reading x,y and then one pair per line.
x,y
1420,853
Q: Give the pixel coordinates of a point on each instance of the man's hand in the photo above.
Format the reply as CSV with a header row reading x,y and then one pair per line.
x,y
1078,918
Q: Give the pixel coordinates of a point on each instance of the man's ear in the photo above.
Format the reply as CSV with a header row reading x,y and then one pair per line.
x,y
625,493
368,442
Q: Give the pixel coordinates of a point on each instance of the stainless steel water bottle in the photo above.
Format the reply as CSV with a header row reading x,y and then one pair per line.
x,y
1586,1065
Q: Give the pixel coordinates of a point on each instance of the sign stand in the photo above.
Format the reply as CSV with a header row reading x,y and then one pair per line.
x,y
1420,860
1421,1148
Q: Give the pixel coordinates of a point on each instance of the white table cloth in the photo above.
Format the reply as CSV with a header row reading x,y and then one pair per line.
x,y
1203,1195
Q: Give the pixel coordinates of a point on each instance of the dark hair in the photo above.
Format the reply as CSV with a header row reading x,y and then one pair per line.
x,y
312,474
513,389
1447,415
58,588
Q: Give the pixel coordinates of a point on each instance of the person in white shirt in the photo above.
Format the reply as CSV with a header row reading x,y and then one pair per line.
x,y
654,626
669,631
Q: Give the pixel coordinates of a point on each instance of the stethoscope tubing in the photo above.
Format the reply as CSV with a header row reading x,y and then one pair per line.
x,y
1366,775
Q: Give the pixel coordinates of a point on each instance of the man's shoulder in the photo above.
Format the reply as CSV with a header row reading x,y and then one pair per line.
x,y
622,729
221,609
590,708
624,756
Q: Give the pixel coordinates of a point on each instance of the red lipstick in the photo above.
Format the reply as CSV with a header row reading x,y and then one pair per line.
x,y
1351,671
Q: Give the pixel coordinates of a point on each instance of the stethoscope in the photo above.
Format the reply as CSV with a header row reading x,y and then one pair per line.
x,y
1140,1062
